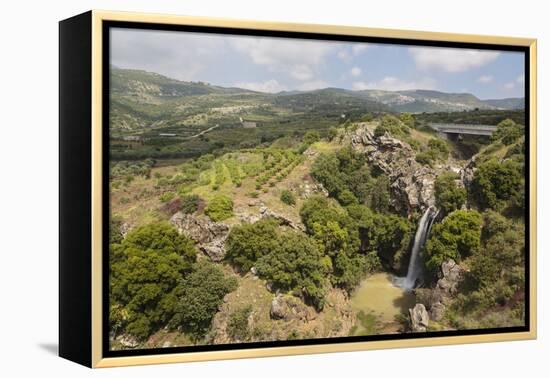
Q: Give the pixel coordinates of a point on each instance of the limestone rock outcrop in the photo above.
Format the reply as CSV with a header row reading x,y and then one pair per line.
x,y
210,236
287,307
419,318
411,183
439,298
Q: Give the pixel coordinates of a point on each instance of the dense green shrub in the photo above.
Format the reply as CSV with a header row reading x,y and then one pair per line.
x,y
496,276
115,234
246,243
332,133
508,132
498,184
146,267
219,208
407,119
392,125
287,197
448,195
132,168
311,137
167,196
378,197
344,175
297,265
190,203
237,326
456,237
198,297
439,148
389,235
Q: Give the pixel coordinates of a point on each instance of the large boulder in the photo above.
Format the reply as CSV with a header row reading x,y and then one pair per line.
x,y
128,341
287,307
210,236
438,299
419,318
411,183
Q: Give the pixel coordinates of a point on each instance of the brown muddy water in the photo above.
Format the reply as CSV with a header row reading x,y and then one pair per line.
x,y
377,295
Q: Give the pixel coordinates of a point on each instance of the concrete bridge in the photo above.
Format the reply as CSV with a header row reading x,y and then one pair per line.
x,y
455,129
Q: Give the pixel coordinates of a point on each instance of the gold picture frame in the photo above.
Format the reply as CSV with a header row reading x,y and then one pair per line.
x,y
91,267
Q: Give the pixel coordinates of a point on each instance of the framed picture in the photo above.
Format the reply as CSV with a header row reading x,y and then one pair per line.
x,y
235,189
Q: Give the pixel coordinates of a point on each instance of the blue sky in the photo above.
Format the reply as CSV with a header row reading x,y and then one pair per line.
x,y
277,64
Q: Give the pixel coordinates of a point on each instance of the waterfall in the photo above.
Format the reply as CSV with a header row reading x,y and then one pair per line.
x,y
422,232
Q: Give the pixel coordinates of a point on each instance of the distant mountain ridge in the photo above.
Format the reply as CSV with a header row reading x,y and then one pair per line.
x,y
149,87
511,103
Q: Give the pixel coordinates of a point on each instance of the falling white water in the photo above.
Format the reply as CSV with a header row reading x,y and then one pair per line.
x,y
415,264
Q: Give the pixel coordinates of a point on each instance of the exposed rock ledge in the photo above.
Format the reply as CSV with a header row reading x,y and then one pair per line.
x,y
265,212
437,299
419,318
411,183
210,236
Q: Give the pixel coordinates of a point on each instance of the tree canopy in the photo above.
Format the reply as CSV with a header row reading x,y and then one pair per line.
x,y
198,297
146,267
248,242
297,265
448,195
219,208
456,237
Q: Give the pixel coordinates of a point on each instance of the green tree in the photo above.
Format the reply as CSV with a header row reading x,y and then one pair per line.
x,y
332,133
379,194
497,275
407,119
248,242
219,208
311,137
344,175
392,125
145,269
326,170
448,195
115,234
438,148
508,132
190,203
497,184
297,265
288,198
456,237
199,296
237,326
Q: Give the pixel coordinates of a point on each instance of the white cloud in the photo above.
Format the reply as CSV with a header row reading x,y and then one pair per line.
x,y
358,49
269,86
390,83
355,71
299,58
344,55
485,79
520,79
451,59
301,72
509,86
182,56
312,85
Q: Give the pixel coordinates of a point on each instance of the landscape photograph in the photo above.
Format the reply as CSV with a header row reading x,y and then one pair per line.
x,y
270,189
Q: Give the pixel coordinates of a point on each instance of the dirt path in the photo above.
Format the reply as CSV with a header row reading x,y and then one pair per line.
x,y
203,132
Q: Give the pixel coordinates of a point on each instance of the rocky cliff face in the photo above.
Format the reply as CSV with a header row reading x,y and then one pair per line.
x,y
209,236
437,300
412,184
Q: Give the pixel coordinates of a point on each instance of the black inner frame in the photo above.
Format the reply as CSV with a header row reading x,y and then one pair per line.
x,y
107,25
